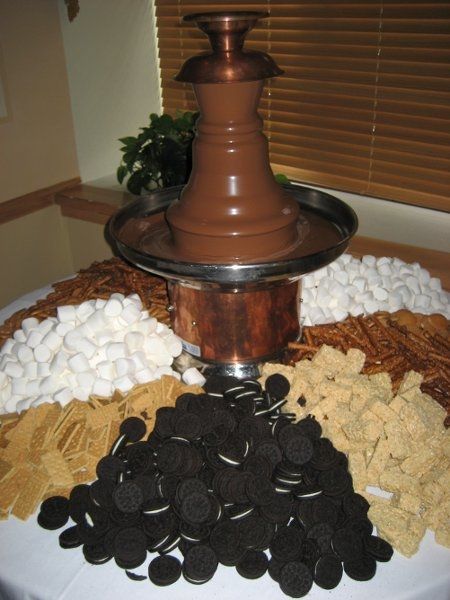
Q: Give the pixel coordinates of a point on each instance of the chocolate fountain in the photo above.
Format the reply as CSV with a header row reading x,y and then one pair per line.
x,y
232,244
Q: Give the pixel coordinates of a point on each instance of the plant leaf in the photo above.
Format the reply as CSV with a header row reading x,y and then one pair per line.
x,y
121,173
281,178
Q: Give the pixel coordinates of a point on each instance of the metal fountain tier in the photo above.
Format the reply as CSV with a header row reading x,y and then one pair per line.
x,y
232,243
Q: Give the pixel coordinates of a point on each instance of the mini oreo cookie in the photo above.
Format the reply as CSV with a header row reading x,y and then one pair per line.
x,y
164,570
361,569
54,512
128,496
69,538
328,571
253,564
96,554
295,579
109,467
347,544
378,548
195,508
299,450
200,563
277,386
286,544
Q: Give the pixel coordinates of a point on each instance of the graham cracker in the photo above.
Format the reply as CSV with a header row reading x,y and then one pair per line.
x,y
10,487
31,494
5,468
57,468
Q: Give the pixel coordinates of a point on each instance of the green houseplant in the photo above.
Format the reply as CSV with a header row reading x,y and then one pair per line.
x,y
160,156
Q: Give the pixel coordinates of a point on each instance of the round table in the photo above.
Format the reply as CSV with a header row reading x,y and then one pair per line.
x,y
34,567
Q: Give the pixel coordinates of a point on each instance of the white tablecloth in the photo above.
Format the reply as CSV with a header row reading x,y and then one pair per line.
x,y
34,567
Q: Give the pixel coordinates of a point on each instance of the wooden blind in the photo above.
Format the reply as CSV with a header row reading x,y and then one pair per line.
x,y
363,105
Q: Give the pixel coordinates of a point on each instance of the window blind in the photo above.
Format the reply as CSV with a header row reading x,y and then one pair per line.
x,y
363,105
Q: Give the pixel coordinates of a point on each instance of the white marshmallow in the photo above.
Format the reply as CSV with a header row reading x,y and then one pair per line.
x,y
339,314
19,386
130,314
422,301
85,309
134,340
316,315
341,277
106,370
3,379
78,363
118,296
404,292
33,388
10,404
62,328
71,340
192,376
42,354
140,360
413,284
113,307
360,283
29,324
66,314
63,396
147,326
380,294
100,303
115,350
24,404
13,369
24,354
20,336
86,379
97,321
86,347
8,346
58,363
41,400
383,260
102,388
123,384
45,326
49,385
308,281
144,375
43,369
356,309
371,306
34,338
173,345
81,393
124,366
435,284
369,260
385,269
163,370
30,369
52,340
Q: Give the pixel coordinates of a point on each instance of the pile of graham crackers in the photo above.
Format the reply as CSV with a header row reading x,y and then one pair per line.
x,y
47,450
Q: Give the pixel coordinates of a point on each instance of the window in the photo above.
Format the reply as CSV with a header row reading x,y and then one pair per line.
x,y
363,105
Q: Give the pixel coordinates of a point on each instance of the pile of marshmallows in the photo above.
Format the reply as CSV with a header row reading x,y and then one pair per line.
x,y
360,287
94,348
106,345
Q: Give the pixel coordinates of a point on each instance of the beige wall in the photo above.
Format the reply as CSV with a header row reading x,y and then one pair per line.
x,y
113,75
86,241
37,146
34,251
